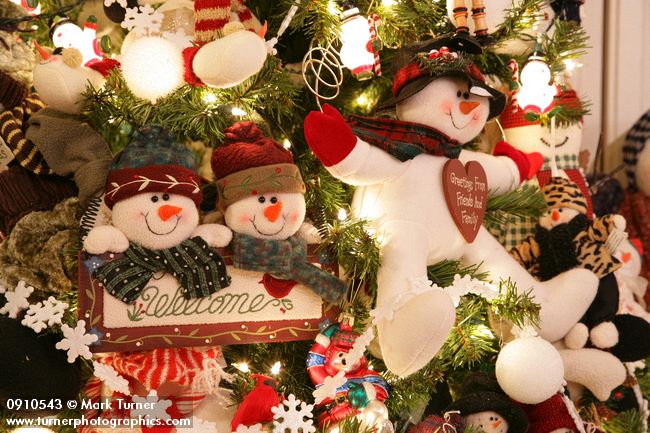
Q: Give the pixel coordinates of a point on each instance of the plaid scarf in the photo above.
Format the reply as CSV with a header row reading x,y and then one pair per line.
x,y
199,269
286,259
404,140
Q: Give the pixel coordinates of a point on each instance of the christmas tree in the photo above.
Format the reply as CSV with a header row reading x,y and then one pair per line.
x,y
307,215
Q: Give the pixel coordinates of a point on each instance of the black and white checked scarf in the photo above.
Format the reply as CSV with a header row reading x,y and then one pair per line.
x,y
634,144
199,269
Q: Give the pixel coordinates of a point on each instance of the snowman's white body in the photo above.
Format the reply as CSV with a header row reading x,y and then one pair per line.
x,y
631,285
406,203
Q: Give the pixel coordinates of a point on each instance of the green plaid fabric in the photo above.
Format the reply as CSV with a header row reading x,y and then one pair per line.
x,y
516,230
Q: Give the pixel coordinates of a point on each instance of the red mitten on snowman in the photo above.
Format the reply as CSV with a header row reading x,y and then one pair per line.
x,y
154,195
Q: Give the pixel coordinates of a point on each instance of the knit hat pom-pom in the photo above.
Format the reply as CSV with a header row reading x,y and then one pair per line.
x,y
246,146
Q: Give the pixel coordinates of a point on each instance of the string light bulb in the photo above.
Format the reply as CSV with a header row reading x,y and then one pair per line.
x,y
356,53
242,366
343,214
275,369
537,89
286,143
236,111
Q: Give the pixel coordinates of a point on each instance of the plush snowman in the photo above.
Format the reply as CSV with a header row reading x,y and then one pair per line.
x,y
230,45
485,407
67,34
530,136
154,195
632,287
60,80
398,168
262,195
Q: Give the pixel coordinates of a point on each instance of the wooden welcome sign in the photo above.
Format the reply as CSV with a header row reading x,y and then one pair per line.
x,y
255,308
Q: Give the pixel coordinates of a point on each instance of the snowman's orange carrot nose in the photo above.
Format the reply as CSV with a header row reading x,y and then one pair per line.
x,y
555,215
272,213
44,54
466,107
167,211
496,423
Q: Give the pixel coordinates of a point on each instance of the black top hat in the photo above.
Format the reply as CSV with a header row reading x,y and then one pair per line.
x,y
481,392
407,57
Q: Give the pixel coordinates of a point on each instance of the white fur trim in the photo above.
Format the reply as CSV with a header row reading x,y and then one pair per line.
x,y
322,340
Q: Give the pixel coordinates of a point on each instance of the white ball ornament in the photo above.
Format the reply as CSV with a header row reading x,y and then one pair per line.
x,y
529,370
152,68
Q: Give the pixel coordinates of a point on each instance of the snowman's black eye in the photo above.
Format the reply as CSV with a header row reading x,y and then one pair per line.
x,y
466,95
154,198
560,210
165,196
261,199
459,93
274,200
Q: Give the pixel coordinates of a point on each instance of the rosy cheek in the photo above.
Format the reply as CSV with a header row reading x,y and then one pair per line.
x,y
294,217
244,219
445,106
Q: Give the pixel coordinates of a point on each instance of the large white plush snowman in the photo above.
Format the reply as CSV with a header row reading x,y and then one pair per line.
x,y
154,196
262,195
531,136
437,112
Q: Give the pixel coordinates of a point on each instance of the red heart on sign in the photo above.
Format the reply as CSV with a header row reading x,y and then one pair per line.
x,y
466,191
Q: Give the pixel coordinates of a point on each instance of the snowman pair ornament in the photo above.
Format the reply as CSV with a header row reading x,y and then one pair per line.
x,y
154,195
441,104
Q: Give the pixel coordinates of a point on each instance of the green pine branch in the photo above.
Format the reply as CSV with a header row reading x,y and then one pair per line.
x,y
568,41
625,422
518,308
527,201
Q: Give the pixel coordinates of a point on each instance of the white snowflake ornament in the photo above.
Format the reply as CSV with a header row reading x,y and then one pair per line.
x,y
359,347
16,299
152,407
76,341
201,426
179,38
122,3
294,416
111,378
143,20
329,386
44,314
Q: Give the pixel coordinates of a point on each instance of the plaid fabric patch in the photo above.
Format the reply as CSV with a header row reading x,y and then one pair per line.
x,y
634,144
199,269
516,230
407,74
563,162
404,140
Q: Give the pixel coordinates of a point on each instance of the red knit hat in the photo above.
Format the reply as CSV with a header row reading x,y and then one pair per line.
x,y
549,415
251,164
513,116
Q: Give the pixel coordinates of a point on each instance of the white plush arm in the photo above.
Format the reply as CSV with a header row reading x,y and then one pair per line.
x,y
367,165
502,173
310,233
215,235
104,239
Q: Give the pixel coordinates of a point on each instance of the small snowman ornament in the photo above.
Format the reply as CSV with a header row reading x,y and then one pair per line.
x,y
262,195
398,166
632,286
154,195
531,136
485,407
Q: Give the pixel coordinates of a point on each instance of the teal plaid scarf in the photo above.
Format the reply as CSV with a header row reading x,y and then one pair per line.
x,y
199,269
285,259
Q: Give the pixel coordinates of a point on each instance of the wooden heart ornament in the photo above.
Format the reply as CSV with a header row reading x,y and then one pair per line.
x,y
466,191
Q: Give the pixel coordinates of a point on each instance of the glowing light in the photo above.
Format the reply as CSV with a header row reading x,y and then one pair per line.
x,y
355,35
482,331
332,8
210,98
242,366
343,214
571,65
388,3
236,111
286,143
362,99
537,90
32,430
276,368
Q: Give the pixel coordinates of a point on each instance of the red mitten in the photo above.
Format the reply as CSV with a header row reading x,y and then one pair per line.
x,y
528,164
329,136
